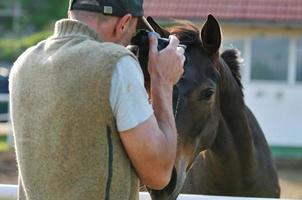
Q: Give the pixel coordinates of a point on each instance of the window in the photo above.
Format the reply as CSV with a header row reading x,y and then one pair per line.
x,y
299,61
269,59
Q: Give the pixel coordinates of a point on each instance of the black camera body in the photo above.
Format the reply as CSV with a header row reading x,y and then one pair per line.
x,y
140,43
141,39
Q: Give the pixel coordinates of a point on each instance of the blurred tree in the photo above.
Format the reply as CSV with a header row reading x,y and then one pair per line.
x,y
40,13
11,48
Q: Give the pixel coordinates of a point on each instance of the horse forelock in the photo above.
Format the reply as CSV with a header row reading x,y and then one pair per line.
x,y
187,33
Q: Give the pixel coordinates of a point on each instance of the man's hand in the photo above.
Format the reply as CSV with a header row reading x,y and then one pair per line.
x,y
167,65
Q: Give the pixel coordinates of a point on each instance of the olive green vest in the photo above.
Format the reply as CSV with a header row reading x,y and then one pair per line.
x,y
66,140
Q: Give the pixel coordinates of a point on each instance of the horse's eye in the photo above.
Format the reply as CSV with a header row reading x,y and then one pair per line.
x,y
207,94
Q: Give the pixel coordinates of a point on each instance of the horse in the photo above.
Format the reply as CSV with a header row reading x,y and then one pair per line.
x,y
221,147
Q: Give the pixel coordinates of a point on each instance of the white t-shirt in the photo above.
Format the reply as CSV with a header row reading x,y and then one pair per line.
x,y
128,97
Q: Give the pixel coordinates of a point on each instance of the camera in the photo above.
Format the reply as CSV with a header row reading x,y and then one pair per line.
x,y
140,47
141,39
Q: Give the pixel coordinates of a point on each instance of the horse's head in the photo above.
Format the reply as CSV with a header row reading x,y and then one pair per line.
x,y
195,98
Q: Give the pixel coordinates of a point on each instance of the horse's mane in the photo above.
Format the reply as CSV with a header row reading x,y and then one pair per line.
x,y
187,32
233,60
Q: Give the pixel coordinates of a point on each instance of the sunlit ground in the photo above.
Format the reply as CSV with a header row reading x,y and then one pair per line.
x,y
291,183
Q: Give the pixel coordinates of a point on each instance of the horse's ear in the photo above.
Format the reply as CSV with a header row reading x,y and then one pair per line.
x,y
157,28
211,35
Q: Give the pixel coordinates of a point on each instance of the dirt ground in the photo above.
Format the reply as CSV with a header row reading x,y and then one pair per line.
x,y
290,174
8,168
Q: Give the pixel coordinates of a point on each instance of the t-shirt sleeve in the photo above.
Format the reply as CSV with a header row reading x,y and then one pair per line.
x,y
128,97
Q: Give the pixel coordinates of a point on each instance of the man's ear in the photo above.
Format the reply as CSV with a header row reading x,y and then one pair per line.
x,y
123,24
157,28
211,35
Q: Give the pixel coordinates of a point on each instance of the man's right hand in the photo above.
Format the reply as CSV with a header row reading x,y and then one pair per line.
x,y
165,66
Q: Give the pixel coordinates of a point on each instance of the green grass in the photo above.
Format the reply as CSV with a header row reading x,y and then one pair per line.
x,y
3,144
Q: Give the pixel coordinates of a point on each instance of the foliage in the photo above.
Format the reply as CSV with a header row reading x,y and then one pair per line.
x,y
40,13
3,144
10,49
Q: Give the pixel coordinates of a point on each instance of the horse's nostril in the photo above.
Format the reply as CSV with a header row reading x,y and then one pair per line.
x,y
172,184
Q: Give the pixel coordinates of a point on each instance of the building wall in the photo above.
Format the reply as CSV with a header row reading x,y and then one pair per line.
x,y
260,30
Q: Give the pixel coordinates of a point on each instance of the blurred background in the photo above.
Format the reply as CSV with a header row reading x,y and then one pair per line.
x,y
267,32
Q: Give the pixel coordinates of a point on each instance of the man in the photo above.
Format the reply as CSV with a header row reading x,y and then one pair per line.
x,y
84,128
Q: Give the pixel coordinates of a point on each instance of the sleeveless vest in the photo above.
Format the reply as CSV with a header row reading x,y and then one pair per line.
x,y
67,144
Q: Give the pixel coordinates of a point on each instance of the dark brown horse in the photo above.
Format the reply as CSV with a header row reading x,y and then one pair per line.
x,y
222,149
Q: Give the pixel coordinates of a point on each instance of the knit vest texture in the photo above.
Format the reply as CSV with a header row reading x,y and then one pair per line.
x,y
67,144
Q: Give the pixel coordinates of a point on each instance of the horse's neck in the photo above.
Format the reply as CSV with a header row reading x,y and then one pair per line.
x,y
234,139
234,124
233,114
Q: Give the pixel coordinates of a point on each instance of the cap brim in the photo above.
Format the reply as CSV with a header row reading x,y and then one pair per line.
x,y
144,24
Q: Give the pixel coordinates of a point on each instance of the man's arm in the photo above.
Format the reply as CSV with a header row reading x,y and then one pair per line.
x,y
151,146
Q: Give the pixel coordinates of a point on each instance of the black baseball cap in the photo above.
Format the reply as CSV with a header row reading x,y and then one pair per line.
x,y
115,8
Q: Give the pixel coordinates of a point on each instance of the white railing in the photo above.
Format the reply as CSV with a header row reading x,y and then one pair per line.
x,y
9,192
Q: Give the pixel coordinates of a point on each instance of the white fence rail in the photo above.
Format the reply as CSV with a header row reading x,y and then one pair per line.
x,y
9,192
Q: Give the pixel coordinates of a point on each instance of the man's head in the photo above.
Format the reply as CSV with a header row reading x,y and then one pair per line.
x,y
114,20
